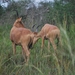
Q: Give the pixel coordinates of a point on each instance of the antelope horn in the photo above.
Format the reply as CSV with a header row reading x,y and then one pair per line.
x,y
33,26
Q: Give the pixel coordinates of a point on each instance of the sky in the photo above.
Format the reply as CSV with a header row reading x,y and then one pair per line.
x,y
43,0
36,1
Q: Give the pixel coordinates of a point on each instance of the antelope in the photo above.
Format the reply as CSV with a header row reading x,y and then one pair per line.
x,y
49,32
19,35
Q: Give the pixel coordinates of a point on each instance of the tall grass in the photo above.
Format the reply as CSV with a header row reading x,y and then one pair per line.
x,y
42,62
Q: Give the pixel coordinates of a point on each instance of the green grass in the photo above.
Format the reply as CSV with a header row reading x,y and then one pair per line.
x,y
42,62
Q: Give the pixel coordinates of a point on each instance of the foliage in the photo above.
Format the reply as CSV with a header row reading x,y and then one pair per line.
x,y
1,10
59,11
42,62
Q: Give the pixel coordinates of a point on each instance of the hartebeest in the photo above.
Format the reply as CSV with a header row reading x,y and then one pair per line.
x,y
19,35
49,32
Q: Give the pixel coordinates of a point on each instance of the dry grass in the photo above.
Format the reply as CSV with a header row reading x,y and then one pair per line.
x,y
41,62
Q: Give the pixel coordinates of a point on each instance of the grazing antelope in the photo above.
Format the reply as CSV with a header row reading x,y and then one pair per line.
x,y
19,35
49,32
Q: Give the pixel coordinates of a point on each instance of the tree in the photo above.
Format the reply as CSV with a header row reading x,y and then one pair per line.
x,y
1,10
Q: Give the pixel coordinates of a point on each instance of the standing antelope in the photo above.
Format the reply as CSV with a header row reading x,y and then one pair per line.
x,y
49,32
19,35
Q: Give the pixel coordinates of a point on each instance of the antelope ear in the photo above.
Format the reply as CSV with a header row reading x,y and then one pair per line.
x,y
20,18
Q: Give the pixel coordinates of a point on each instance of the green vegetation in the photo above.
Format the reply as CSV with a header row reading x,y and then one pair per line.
x,y
42,62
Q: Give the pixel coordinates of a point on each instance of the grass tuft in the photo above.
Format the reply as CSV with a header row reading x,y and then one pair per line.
x,y
42,62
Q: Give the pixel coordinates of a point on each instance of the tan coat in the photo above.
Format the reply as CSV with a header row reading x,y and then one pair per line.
x,y
19,35
49,32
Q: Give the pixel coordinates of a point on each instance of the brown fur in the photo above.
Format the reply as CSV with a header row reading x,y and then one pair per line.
x,y
35,33
19,35
49,32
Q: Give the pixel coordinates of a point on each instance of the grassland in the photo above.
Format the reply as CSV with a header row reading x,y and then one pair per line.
x,y
42,62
